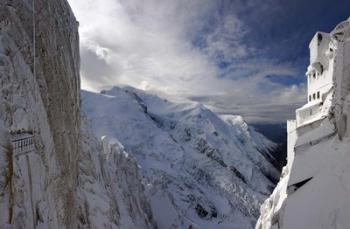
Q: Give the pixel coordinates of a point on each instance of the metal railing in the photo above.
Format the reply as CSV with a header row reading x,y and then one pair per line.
x,y
22,143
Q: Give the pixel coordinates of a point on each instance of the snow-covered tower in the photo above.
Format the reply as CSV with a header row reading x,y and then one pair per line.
x,y
319,79
326,57
325,70
311,191
319,82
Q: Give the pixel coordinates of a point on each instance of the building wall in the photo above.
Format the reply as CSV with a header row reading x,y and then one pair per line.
x,y
319,86
291,139
319,75
318,48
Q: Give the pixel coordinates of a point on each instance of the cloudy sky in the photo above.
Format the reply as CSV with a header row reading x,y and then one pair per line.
x,y
243,57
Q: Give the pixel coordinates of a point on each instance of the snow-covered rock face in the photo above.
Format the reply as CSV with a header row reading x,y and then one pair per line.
x,y
111,192
314,190
38,188
57,175
200,169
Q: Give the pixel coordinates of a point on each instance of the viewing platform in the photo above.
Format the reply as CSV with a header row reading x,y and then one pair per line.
x,y
22,142
309,113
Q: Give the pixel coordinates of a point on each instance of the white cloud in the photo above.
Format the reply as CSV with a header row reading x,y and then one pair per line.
x,y
149,45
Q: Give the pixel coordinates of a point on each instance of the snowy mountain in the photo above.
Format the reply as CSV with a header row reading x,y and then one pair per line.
x,y
276,132
314,189
136,161
199,168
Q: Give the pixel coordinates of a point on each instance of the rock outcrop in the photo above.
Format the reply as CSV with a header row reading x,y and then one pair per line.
x,y
111,191
43,182
53,173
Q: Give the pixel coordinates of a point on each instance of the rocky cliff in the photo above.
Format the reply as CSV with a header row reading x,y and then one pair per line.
x,y
110,190
314,189
47,160
39,186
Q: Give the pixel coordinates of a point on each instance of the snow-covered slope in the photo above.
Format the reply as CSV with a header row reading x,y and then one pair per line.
x,y
314,190
200,169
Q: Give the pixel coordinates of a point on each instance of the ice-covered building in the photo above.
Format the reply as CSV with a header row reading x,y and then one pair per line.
x,y
321,73
319,79
329,60
313,191
320,87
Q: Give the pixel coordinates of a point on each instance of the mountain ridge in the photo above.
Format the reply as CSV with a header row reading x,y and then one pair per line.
x,y
187,151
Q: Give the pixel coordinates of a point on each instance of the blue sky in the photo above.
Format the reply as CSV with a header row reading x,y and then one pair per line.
x,y
280,29
244,57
